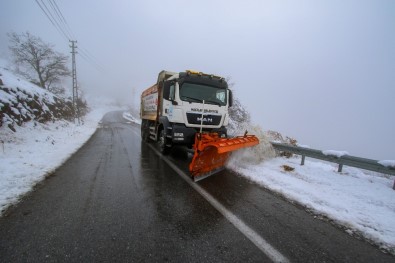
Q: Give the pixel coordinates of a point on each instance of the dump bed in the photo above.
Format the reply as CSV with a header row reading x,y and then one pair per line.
x,y
149,103
150,98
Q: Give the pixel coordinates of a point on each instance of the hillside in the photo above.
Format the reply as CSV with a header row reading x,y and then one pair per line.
x,y
22,101
36,134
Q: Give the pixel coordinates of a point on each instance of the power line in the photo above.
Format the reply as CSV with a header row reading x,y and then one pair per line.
x,y
87,53
52,22
84,53
57,10
93,63
61,17
57,19
90,58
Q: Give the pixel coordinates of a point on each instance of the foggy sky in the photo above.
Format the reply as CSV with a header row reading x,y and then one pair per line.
x,y
320,71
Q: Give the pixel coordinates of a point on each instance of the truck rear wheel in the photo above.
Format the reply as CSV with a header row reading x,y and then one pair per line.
x,y
145,131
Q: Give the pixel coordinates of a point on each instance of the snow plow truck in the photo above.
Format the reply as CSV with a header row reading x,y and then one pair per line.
x,y
191,109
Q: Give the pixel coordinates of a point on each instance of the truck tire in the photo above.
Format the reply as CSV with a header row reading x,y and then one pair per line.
x,y
162,142
145,131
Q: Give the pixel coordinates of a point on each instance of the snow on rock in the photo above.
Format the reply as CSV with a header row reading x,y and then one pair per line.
x,y
22,101
387,163
337,154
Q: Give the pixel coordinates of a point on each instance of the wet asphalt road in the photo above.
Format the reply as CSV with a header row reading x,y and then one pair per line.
x,y
116,200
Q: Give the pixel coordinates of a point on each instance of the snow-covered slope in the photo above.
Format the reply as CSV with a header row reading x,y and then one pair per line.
x,y
33,149
22,101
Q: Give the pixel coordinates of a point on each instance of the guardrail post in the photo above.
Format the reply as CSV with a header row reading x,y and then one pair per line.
x,y
340,168
302,163
393,187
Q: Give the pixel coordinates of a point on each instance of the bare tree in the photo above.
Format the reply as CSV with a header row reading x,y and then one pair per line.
x,y
40,63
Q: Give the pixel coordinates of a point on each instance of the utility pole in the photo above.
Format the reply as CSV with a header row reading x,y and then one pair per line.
x,y
75,87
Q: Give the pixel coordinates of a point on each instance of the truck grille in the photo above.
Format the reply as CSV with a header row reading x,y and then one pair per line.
x,y
208,119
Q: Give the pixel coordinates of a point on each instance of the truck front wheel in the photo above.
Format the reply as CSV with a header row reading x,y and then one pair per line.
x,y
162,142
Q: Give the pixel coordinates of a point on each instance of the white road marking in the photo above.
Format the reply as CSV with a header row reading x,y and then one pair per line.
x,y
258,241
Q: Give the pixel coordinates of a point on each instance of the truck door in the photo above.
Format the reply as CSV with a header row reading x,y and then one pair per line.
x,y
169,98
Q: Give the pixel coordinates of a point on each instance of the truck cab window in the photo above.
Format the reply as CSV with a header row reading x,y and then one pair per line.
x,y
194,92
221,95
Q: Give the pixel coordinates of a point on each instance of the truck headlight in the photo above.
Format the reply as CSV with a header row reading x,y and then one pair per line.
x,y
178,134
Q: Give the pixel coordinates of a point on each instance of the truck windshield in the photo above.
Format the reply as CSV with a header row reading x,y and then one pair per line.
x,y
193,92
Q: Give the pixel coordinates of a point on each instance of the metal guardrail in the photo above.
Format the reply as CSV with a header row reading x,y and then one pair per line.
x,y
363,163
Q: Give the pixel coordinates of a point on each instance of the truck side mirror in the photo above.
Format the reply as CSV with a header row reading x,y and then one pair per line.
x,y
230,98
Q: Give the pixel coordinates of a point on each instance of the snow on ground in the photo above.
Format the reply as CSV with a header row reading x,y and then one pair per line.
x,y
361,201
129,117
36,150
364,203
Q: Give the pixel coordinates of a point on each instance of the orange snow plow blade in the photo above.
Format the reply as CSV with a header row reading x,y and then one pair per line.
x,y
211,153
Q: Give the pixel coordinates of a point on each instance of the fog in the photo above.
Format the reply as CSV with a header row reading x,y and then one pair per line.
x,y
322,72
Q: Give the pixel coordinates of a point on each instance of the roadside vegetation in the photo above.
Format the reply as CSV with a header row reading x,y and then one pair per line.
x,y
32,88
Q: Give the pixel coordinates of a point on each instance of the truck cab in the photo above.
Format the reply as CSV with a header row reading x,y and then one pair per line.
x,y
181,104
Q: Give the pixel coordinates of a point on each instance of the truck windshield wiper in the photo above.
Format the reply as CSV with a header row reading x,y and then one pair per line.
x,y
192,99
213,102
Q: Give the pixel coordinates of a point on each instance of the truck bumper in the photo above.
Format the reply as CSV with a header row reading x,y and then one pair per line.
x,y
186,135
